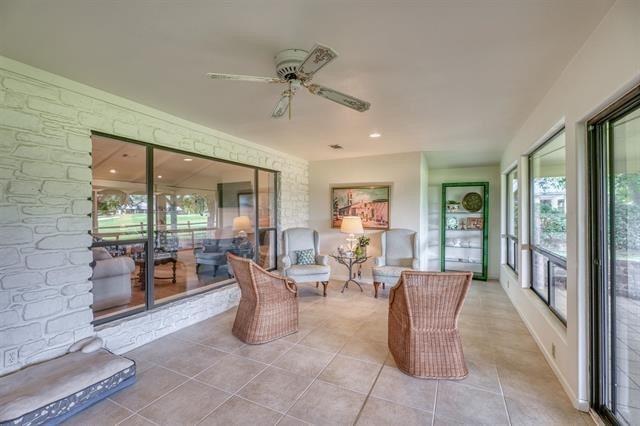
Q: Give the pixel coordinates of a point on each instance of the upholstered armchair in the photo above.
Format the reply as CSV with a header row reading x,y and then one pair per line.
x,y
212,253
399,251
296,243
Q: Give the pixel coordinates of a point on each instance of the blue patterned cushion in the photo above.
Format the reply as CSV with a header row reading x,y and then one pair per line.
x,y
305,257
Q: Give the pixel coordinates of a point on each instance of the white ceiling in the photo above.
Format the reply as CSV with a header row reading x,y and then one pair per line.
x,y
441,75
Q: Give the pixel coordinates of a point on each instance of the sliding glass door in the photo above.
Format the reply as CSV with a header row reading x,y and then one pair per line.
x,y
615,155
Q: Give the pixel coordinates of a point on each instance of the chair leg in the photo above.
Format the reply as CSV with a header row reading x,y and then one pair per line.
x,y
324,288
383,285
317,284
376,284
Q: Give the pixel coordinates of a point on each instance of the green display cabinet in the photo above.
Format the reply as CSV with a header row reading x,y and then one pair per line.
x,y
464,228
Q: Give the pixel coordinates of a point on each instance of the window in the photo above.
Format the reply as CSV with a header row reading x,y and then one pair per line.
x,y
614,145
547,185
267,231
512,220
164,222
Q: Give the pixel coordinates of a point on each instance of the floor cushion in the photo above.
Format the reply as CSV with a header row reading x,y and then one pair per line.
x,y
54,390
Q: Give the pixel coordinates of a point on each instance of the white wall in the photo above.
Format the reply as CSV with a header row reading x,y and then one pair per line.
x,y
606,66
402,171
437,177
45,189
424,213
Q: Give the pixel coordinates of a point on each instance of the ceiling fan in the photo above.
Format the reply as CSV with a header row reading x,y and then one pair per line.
x,y
296,68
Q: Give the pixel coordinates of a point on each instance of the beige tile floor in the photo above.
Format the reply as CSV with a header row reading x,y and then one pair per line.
x,y
337,371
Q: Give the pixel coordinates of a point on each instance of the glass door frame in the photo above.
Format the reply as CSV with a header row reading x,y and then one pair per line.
x,y
602,307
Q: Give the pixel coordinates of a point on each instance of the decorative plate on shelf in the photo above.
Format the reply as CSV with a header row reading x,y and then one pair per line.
x,y
472,202
452,223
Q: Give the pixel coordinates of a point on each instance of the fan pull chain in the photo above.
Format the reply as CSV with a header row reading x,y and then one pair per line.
x,y
290,96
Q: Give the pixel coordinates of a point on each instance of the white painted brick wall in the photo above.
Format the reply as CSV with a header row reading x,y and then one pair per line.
x,y
45,127
126,334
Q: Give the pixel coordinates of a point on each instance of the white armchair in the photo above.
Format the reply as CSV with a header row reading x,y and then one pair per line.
x,y
298,239
399,251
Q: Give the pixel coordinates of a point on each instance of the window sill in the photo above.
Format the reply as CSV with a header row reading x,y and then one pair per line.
x,y
550,317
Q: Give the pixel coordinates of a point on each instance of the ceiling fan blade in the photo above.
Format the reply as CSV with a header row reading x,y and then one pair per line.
x,y
317,58
219,76
282,106
338,97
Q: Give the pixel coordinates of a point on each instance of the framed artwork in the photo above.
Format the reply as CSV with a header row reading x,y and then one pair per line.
x,y
370,202
245,204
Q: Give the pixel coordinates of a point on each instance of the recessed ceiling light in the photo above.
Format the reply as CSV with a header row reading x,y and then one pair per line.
x,y
374,135
188,159
159,176
112,171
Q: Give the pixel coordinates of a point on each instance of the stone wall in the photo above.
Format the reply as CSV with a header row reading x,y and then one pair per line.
x,y
45,188
123,335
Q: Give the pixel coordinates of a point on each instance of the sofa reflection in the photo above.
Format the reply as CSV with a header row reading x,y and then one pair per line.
x,y
111,279
213,253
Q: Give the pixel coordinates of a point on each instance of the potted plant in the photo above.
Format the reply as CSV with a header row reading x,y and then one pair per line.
x,y
363,242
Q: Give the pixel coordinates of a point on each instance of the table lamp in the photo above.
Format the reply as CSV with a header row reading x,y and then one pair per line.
x,y
241,226
351,225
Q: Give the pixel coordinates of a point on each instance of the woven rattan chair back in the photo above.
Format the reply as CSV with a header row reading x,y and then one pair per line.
x,y
268,307
242,270
423,314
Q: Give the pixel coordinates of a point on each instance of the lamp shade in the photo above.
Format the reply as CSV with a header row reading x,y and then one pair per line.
x,y
351,225
242,223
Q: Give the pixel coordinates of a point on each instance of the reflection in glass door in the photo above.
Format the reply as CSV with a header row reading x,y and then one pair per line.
x,y
615,144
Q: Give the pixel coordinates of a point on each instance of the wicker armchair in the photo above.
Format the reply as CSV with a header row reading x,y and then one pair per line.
x,y
423,323
268,306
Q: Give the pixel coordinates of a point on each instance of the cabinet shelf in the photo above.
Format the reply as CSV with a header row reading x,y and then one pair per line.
x,y
462,261
453,256
460,247
479,213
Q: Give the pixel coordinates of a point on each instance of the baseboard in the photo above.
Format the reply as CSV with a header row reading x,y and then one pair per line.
x,y
596,417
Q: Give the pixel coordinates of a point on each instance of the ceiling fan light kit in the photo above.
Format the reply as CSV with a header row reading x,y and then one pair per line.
x,y
296,67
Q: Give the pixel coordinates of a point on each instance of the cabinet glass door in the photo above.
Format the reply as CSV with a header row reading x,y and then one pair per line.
x,y
464,228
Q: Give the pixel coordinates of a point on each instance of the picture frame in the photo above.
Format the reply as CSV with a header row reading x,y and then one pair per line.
x,y
245,204
474,223
370,202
